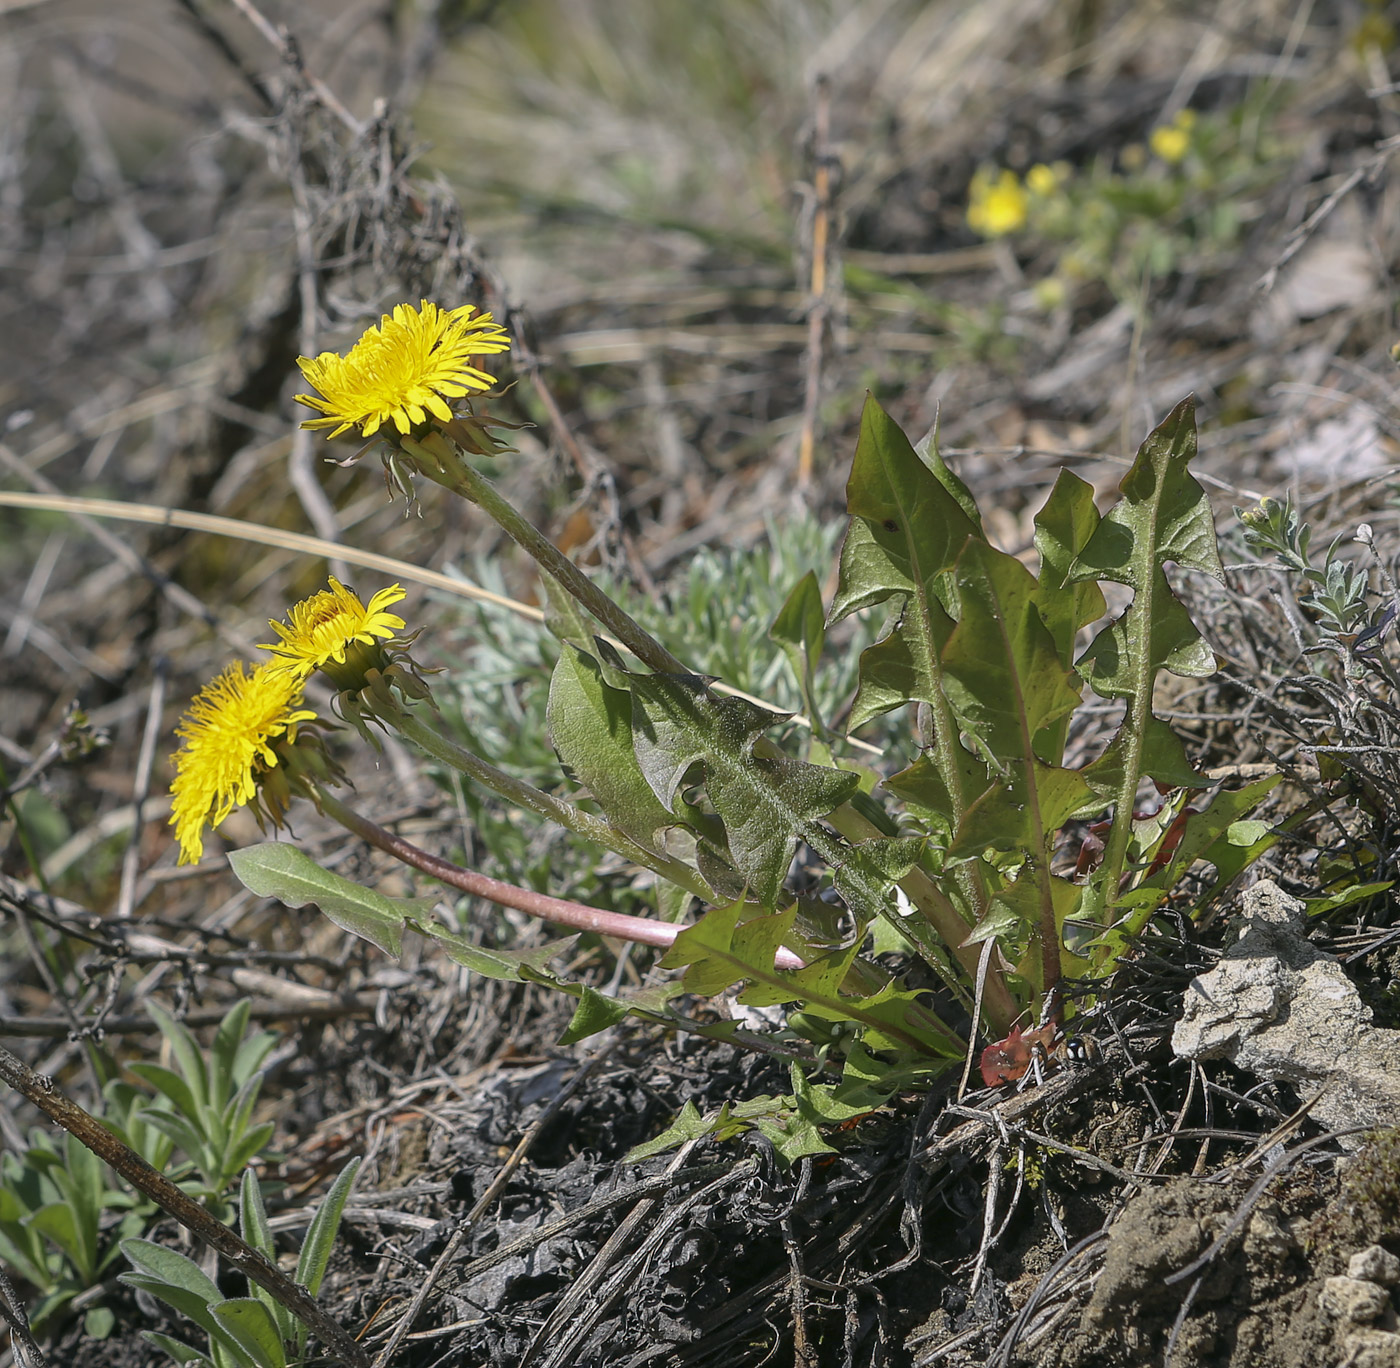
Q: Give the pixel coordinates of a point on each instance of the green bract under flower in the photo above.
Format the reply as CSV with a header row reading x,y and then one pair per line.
x,y
403,371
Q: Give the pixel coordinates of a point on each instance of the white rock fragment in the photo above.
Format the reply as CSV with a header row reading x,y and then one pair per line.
x,y
1369,1348
1353,1299
1376,1264
1280,1008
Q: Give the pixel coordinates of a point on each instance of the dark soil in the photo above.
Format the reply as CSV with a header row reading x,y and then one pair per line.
x,y
720,1255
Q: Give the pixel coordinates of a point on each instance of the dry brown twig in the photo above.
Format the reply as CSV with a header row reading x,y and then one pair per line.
x,y
22,1344
1303,233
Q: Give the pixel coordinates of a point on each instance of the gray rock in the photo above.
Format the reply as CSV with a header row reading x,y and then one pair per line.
x,y
1353,1299
1376,1264
1371,1349
1282,1009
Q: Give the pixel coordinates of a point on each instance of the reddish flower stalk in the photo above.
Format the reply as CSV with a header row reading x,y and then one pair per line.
x,y
558,911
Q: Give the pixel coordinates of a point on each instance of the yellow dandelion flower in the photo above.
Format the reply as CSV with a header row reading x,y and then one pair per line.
x,y
322,628
1042,180
228,732
996,205
403,370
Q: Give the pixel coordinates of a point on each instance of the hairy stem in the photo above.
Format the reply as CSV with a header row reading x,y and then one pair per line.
x,y
457,475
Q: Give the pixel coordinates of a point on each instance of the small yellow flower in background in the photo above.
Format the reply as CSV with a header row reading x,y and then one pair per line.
x,y
403,370
1050,294
997,205
322,628
1042,179
1172,141
228,732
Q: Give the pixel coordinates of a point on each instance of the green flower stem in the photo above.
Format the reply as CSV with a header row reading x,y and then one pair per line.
x,y
998,1005
545,805
558,911
458,476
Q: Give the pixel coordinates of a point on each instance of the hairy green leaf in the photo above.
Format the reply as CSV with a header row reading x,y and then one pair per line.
x,y
59,1223
252,1223
180,1352
187,1054
320,1240
764,800
181,1284
278,870
590,727
251,1324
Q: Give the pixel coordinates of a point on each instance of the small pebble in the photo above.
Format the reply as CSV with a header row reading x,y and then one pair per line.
x,y
1353,1299
1375,1264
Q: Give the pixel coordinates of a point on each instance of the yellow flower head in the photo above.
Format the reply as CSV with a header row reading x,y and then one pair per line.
x,y
1042,180
322,628
996,205
228,733
1172,141
403,370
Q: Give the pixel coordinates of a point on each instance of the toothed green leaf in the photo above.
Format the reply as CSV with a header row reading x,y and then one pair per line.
x,y
1002,672
1163,515
907,529
763,800
595,1012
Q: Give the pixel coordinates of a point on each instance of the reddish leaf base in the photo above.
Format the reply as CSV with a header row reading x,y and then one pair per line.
x,y
1006,1061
